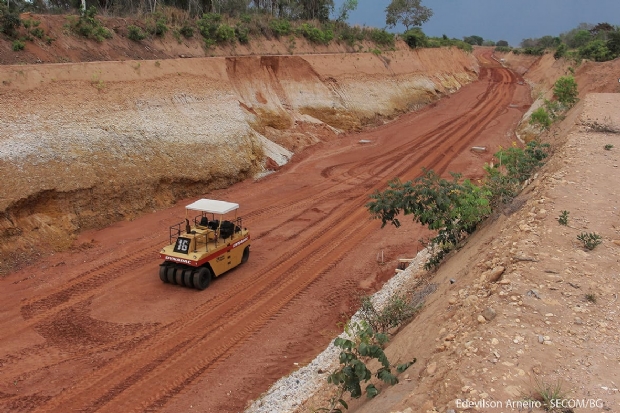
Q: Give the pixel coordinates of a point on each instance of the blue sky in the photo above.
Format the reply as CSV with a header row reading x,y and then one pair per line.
x,y
495,20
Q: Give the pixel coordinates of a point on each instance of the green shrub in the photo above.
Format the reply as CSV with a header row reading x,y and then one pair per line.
x,y
382,37
209,43
88,26
518,165
540,118
280,27
589,239
242,33
224,33
397,311
433,43
37,32
503,49
502,187
186,30
521,163
464,46
554,109
314,34
214,31
18,45
596,50
565,90
208,25
177,35
560,51
350,34
414,38
452,209
365,345
534,51
26,23
549,395
563,218
135,33
613,42
10,22
159,28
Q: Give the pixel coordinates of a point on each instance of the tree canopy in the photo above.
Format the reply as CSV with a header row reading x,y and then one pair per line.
x,y
473,40
409,13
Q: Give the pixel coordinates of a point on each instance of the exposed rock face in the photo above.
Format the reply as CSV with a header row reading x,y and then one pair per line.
x,y
85,144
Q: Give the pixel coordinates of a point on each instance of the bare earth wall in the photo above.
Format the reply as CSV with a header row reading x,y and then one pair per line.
x,y
83,145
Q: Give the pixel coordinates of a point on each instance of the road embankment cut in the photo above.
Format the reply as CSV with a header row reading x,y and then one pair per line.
x,y
83,145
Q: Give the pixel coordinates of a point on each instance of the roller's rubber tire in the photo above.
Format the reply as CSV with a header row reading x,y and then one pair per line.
x,y
202,278
162,273
188,278
246,255
170,275
179,276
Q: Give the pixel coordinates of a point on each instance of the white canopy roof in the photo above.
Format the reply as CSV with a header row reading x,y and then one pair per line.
x,y
212,206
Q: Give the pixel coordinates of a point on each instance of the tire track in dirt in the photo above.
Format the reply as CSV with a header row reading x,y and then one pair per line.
x,y
437,140
280,285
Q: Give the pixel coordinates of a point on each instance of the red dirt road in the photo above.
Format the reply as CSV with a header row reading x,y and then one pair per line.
x,y
94,329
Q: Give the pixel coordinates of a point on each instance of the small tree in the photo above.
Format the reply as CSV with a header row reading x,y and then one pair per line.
x,y
451,208
408,12
365,344
565,90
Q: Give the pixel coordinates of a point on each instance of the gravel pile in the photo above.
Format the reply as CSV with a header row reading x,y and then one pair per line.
x,y
291,391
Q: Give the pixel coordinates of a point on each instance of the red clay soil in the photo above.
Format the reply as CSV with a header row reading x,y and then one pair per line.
x,y
94,329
